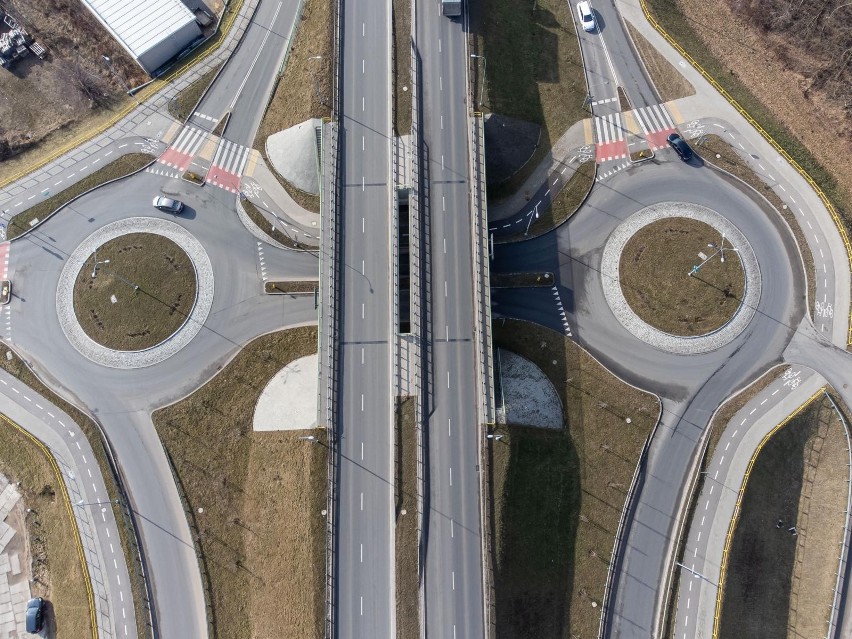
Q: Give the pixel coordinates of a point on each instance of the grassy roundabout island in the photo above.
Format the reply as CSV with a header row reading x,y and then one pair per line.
x,y
654,271
134,292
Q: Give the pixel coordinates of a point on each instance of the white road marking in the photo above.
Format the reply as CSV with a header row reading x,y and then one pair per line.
x,y
449,428
362,501
454,579
451,475
362,402
362,459
448,372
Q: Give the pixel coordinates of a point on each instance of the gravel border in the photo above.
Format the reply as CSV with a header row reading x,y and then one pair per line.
x,y
644,331
180,338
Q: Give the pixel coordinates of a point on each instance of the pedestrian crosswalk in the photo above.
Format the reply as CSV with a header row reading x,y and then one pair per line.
x,y
228,165
653,123
209,118
186,145
4,260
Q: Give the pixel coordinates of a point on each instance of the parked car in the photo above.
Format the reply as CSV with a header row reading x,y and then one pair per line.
x,y
680,146
168,205
35,615
587,16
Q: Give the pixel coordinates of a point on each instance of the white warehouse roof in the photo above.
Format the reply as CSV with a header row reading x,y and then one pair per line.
x,y
141,25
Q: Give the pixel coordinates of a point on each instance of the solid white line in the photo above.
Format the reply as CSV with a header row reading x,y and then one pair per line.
x,y
257,55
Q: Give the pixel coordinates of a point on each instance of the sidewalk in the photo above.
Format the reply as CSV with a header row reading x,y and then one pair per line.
x,y
264,190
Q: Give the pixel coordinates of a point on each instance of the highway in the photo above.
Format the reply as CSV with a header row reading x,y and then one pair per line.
x,y
452,531
364,541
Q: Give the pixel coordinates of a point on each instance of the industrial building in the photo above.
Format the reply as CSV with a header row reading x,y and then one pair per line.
x,y
152,31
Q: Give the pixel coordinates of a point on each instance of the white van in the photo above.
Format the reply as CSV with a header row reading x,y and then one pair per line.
x,y
587,17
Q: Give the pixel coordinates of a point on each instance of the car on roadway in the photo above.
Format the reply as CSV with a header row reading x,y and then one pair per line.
x,y
680,146
587,16
35,615
168,205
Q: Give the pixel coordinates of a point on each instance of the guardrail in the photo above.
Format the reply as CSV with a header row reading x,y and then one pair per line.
x,y
792,162
834,629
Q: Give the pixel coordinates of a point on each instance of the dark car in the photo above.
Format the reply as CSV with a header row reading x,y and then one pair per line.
x,y
168,205
35,614
680,146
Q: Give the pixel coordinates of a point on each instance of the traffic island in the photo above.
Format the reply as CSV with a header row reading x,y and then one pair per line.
x,y
681,276
5,292
134,291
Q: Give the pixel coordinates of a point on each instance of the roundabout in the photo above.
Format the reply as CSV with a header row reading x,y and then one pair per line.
x,y
181,326
695,290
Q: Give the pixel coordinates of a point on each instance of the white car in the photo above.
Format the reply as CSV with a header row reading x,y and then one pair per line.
x,y
587,16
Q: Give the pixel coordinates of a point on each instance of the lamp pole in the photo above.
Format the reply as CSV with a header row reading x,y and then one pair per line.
x,y
108,62
484,71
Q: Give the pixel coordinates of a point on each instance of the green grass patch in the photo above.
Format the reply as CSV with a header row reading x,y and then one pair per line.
x,y
125,165
183,104
655,269
534,70
16,367
557,496
261,536
407,538
135,292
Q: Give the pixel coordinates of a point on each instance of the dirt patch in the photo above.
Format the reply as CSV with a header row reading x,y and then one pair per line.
x,y
305,90
135,291
49,551
261,533
557,495
670,84
772,75
407,534
532,49
125,165
661,285
73,83
783,542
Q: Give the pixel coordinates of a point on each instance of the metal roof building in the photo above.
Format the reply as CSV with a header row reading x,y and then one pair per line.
x,y
152,31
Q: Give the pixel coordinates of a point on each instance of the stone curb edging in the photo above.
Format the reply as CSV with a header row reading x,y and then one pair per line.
x,y
156,354
611,283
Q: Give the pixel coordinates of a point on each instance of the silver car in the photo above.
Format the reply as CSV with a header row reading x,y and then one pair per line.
x,y
168,205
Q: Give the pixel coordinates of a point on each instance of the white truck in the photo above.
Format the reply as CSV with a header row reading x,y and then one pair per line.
x,y
451,8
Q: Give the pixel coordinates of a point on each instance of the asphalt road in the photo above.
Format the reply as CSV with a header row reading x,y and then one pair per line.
x,y
691,387
364,539
453,540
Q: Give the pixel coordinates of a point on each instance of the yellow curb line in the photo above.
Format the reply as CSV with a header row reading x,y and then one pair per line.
x,y
723,567
67,502
767,137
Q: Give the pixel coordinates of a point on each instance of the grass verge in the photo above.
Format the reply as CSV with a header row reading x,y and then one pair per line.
x,y
798,466
52,539
671,17
137,294
557,496
291,286
572,195
729,159
402,66
670,84
125,165
533,49
304,91
407,540
655,269
182,105
267,227
260,534
516,280
16,367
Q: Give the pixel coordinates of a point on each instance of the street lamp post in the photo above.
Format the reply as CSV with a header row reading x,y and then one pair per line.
x,y
309,438
484,71
82,503
97,264
720,250
108,62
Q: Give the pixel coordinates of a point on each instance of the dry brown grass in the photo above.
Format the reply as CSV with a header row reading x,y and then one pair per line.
x,y
779,584
291,286
730,161
407,539
670,84
402,66
266,226
305,89
557,496
182,105
141,297
52,540
261,537
17,368
125,165
654,271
